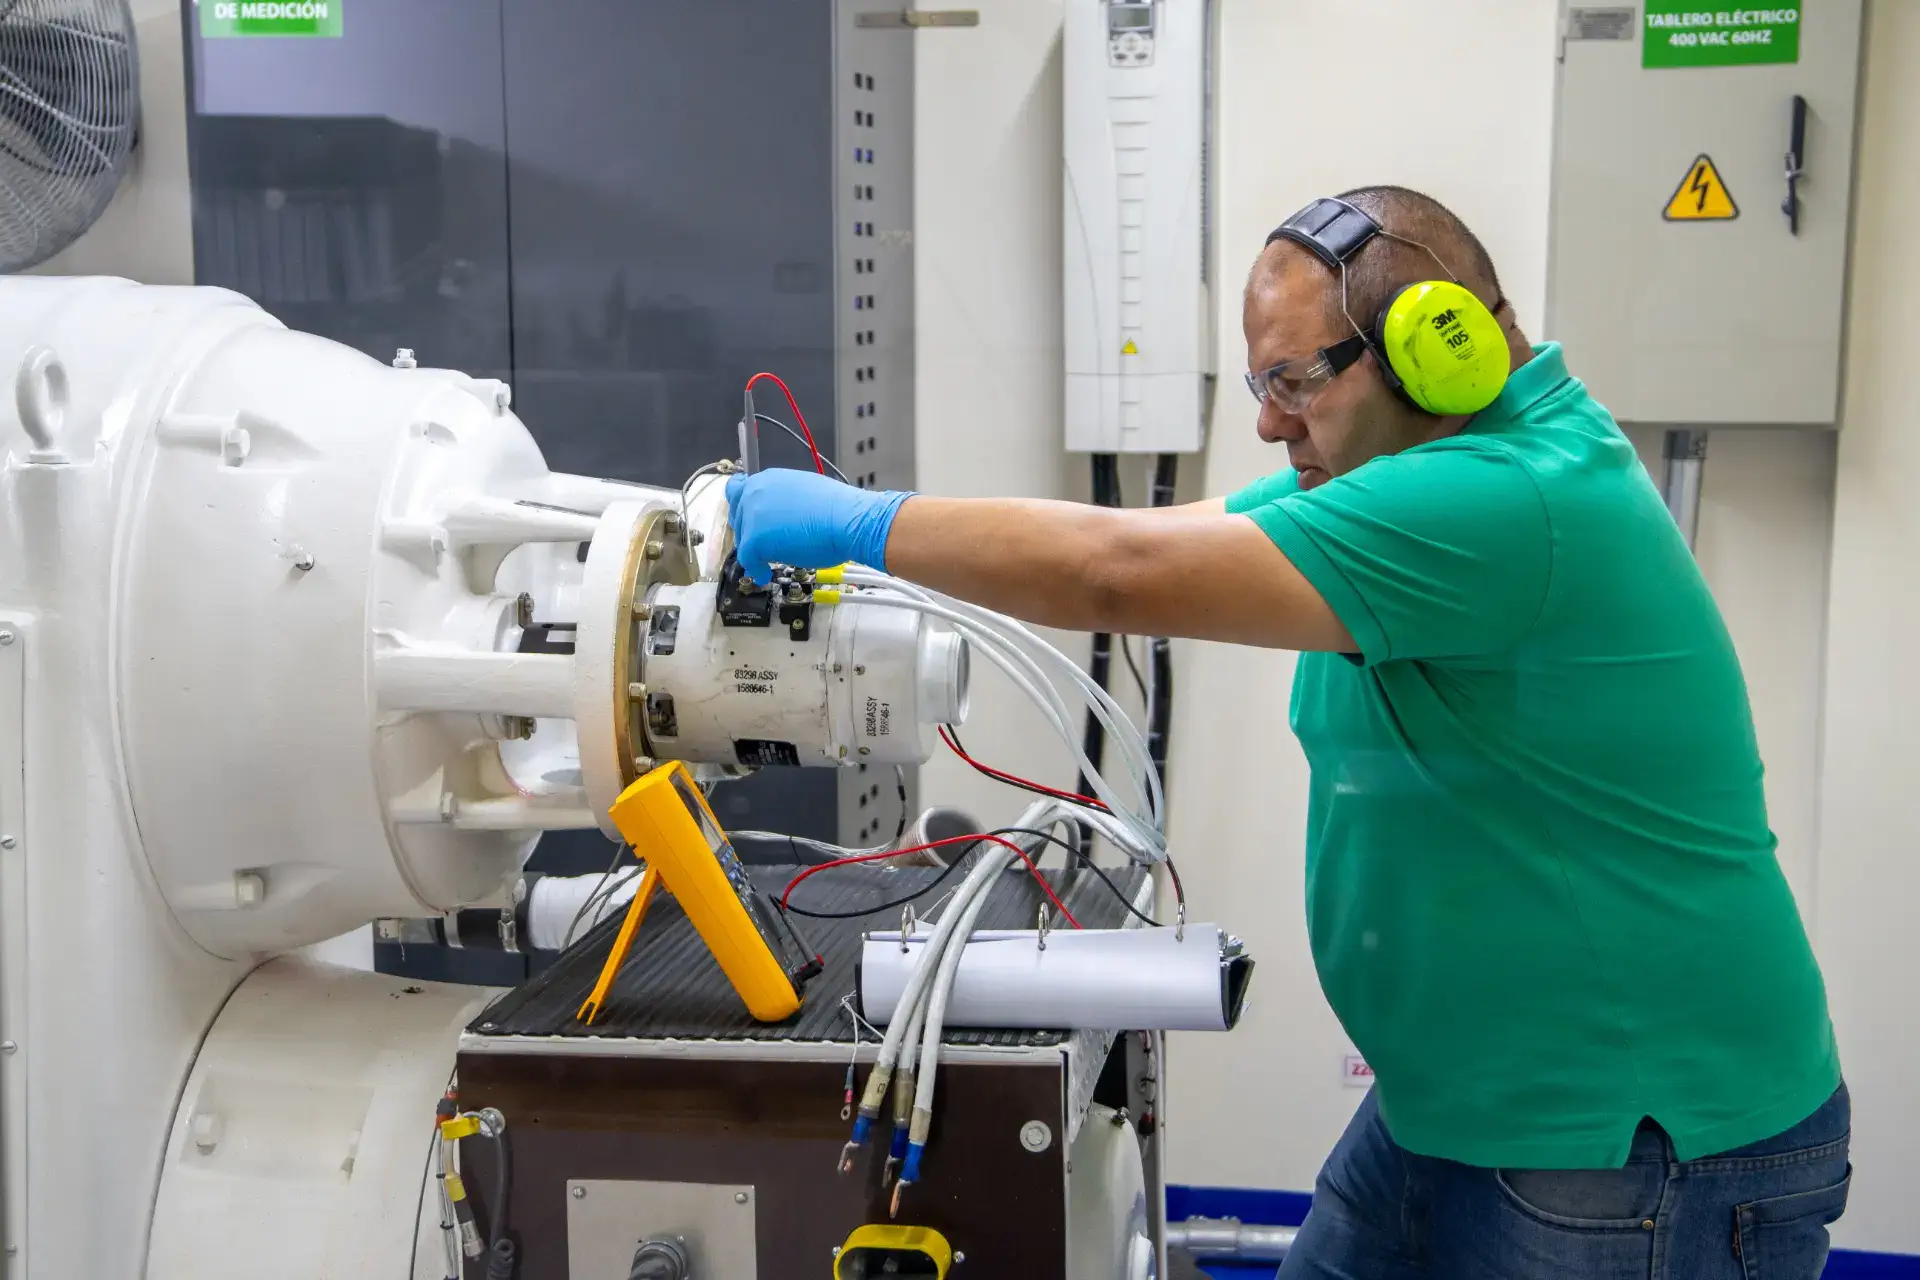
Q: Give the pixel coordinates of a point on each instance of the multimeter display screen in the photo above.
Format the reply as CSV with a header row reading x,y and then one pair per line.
x,y
1129,17
716,841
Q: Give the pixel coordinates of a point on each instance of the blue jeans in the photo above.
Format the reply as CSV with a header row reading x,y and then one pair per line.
x,y
1757,1213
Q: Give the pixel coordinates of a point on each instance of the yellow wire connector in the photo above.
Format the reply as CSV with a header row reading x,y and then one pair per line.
x,y
830,577
889,1250
829,596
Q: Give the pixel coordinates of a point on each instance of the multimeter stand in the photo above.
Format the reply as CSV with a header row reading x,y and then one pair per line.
x,y
666,820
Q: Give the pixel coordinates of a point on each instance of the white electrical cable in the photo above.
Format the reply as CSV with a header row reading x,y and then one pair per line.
x,y
934,1012
1006,655
1118,725
991,620
450,1244
977,882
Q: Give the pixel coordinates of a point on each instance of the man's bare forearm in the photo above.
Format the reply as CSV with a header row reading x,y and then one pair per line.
x,y
1184,572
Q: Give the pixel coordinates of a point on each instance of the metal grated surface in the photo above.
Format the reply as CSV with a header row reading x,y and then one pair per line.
x,y
671,988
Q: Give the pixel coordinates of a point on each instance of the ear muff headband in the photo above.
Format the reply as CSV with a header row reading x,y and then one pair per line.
x,y
1439,347
1445,347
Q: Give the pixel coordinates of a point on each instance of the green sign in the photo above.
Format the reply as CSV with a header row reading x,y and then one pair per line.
x,y
269,17
1682,34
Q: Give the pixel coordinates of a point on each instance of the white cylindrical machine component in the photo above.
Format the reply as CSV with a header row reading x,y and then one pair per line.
x,y
866,684
318,681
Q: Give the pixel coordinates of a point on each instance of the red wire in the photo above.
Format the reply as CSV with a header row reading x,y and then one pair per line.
x,y
1003,776
774,378
934,844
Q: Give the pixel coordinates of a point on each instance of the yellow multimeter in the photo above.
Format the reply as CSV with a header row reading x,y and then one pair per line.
x,y
667,821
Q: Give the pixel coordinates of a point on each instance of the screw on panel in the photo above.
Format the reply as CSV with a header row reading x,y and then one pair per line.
x,y
739,1197
7,842
958,1257
523,611
403,359
1036,1136
579,1193
6,637
9,1048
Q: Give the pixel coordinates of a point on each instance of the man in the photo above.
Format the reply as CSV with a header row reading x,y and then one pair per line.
x,y
1541,890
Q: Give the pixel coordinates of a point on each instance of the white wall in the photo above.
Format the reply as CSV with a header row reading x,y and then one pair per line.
x,y
1868,885
987,211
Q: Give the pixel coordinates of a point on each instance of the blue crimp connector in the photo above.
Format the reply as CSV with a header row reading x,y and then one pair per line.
x,y
911,1173
862,1126
899,1148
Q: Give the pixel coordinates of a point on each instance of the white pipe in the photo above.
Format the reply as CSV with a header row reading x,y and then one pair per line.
x,y
562,811
509,684
479,520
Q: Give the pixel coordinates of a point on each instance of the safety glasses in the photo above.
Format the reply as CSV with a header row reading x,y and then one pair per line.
x,y
1293,384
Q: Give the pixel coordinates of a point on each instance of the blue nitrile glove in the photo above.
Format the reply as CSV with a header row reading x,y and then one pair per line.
x,y
807,521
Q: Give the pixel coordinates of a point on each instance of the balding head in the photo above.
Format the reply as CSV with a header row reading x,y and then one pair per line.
x,y
1384,265
1292,308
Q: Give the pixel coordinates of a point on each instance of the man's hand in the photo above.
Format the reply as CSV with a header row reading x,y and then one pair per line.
x,y
807,521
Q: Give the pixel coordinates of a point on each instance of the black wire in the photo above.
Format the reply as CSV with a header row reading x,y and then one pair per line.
x,y
1073,855
1019,784
1139,681
500,1250
900,778
1085,860
895,905
599,891
769,418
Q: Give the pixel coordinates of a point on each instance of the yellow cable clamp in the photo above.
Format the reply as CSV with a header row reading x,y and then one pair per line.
x,y
910,1251
459,1127
456,1189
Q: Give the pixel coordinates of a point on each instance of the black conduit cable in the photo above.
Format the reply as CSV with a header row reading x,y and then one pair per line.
x,y
1166,470
500,1250
1106,493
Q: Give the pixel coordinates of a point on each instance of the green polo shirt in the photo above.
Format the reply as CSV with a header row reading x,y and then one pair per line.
x,y
1541,890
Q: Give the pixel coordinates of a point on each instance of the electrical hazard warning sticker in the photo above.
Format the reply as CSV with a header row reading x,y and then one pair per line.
x,y
1129,349
1701,196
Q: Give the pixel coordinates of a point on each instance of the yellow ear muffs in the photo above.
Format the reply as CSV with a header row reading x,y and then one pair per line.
x,y
1445,348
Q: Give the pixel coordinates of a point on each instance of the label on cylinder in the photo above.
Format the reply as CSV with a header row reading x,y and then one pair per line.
x,y
762,752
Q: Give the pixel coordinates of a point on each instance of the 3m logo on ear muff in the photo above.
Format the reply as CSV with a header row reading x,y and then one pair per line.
x,y
1444,347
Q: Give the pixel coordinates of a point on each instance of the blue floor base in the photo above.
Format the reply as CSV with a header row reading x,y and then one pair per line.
x,y
1289,1209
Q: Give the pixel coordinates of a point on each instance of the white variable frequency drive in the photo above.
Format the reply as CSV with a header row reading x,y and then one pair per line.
x,y
1137,317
